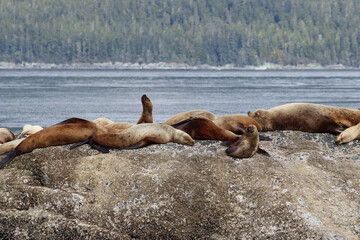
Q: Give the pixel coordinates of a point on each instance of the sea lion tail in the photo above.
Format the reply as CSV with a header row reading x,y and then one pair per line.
x,y
9,156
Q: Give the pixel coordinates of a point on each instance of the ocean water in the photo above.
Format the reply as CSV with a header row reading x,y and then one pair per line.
x,y
46,97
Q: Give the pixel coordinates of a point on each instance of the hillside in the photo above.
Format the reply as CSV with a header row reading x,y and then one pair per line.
x,y
239,32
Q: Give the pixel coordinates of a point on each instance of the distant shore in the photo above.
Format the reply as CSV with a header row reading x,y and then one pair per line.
x,y
163,66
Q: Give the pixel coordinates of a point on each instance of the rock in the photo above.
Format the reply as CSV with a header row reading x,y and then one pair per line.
x,y
308,188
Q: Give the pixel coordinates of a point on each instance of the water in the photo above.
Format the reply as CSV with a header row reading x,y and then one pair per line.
x,y
43,97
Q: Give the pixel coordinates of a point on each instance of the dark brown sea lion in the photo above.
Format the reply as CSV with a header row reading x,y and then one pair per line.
x,y
190,114
70,131
6,135
147,113
247,145
349,134
236,123
307,117
205,129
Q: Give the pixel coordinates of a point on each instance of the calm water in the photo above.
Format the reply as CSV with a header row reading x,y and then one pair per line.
x,y
47,97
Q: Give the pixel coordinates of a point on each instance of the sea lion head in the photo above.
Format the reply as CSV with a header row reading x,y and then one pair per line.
x,y
345,137
147,104
183,138
251,130
262,117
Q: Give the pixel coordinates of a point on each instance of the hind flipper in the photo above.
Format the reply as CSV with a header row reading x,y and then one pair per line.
x,y
263,152
9,156
264,138
100,148
81,143
179,125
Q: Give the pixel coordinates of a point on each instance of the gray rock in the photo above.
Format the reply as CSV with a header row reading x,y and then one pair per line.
x,y
308,188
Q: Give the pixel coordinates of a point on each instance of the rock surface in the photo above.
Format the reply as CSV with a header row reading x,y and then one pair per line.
x,y
308,188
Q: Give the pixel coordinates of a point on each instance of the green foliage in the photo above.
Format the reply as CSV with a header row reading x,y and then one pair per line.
x,y
239,32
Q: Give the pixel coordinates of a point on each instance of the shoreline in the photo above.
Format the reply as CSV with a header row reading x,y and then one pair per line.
x,y
169,66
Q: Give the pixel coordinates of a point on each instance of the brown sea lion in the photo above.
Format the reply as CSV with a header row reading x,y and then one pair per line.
x,y
205,129
190,114
30,129
70,131
307,117
147,113
236,123
349,134
247,145
6,135
138,136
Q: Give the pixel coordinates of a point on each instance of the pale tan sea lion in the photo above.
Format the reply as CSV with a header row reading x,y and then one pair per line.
x,y
306,117
8,146
30,129
6,135
147,113
70,131
138,136
190,114
247,145
349,134
103,121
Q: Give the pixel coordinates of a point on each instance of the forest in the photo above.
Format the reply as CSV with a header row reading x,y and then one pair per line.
x,y
239,32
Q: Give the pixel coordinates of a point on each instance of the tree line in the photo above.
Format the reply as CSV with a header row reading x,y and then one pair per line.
x,y
239,32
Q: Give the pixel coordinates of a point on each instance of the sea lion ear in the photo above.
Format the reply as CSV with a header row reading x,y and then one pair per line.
x,y
251,114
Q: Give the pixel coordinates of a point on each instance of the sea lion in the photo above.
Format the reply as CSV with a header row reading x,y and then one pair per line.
x,y
247,145
306,117
205,129
30,129
236,123
118,126
6,135
138,136
147,113
190,114
70,131
103,121
349,134
8,146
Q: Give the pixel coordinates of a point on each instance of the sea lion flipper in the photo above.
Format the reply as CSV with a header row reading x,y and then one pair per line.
x,y
233,148
262,151
81,143
100,148
9,156
181,124
264,138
